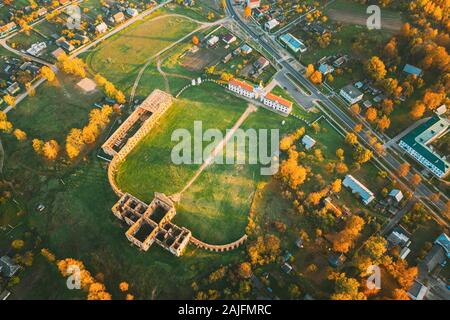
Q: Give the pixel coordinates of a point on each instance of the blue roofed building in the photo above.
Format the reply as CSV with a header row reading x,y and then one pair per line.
x,y
357,187
444,241
293,43
417,144
326,69
410,69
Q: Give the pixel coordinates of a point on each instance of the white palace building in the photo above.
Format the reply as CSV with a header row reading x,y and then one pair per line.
x,y
272,101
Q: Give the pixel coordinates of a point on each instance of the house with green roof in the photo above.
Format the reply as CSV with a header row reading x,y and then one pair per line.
x,y
418,145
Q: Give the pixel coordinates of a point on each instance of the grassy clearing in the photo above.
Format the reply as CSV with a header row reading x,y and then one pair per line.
x,y
121,57
149,167
199,11
55,109
224,217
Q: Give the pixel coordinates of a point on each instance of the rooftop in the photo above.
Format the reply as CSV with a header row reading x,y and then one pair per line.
x,y
352,91
423,135
357,187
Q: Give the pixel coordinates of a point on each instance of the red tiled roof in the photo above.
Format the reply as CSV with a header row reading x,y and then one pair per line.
x,y
278,99
241,84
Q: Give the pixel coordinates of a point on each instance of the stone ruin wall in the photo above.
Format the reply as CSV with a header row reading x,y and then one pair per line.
x,y
166,102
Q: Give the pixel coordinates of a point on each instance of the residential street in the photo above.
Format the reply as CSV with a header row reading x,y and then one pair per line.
x,y
343,120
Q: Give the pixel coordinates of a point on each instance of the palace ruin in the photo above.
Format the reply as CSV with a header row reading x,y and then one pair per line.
x,y
152,223
149,223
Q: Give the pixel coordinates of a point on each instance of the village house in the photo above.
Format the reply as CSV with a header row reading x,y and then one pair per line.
x,y
277,103
400,238
438,255
246,49
358,188
417,291
7,28
410,69
229,38
326,69
7,267
37,48
308,142
117,18
212,41
42,11
253,4
241,88
271,24
396,195
417,144
270,100
351,94
131,12
13,88
261,63
101,28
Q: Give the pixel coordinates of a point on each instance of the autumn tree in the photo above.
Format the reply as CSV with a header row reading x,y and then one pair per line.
x,y
371,114
375,68
340,154
415,180
123,286
245,270
9,100
351,138
20,134
195,40
417,110
51,149
247,12
384,123
345,288
316,77
403,170
48,73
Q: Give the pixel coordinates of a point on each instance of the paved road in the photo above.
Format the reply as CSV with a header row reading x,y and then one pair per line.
x,y
391,163
398,216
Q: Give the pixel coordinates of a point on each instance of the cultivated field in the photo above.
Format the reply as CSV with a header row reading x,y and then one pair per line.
x,y
349,12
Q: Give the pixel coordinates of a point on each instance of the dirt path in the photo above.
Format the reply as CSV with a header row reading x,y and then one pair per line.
x,y
206,162
202,26
166,80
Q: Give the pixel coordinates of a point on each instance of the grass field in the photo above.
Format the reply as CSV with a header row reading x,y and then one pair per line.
x,y
55,109
121,57
224,217
149,167
79,224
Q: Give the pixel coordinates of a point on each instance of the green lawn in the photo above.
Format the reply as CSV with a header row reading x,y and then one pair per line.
x,y
55,109
224,217
121,57
149,167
